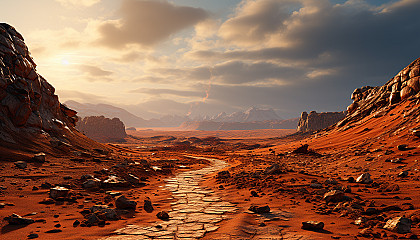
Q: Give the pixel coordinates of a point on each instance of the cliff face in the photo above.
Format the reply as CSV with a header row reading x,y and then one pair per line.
x,y
316,121
29,109
102,129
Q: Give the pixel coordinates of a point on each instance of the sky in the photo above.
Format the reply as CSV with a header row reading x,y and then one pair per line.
x,y
202,57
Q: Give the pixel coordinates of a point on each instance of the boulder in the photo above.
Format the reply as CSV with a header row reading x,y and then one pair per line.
x,y
59,192
260,210
39,157
122,202
15,219
273,169
162,215
399,225
334,196
21,164
148,207
364,178
312,225
92,183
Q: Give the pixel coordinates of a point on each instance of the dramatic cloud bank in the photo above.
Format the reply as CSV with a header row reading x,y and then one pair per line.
x,y
210,56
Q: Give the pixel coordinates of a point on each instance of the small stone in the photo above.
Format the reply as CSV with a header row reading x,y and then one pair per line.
x,y
254,194
148,207
54,231
47,201
40,157
59,192
312,225
316,185
334,196
273,169
402,147
122,202
163,215
76,223
21,164
403,174
92,183
32,236
364,178
399,225
15,219
256,209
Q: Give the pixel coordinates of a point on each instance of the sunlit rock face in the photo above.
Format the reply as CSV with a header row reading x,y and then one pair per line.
x,y
28,106
102,129
316,121
377,100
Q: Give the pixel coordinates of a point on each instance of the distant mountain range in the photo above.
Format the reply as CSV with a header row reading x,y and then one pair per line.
x,y
253,118
251,115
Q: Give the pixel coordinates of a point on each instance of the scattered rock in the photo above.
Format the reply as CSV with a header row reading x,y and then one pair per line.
x,y
76,223
273,169
21,164
312,225
163,215
260,210
399,225
334,196
402,147
114,181
59,192
39,157
92,183
15,219
403,174
32,236
364,178
223,175
54,231
148,207
416,132
122,202
302,149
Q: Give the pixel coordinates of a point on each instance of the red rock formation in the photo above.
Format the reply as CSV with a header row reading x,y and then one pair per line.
x,y
378,100
317,121
31,117
102,129
28,105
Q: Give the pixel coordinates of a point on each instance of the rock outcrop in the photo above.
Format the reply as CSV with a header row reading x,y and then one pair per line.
x,y
376,101
102,129
316,121
29,108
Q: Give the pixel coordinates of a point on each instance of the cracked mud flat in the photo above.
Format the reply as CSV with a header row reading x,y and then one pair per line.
x,y
196,211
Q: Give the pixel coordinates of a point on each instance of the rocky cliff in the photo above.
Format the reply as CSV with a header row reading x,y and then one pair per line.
x,y
377,101
317,121
102,129
31,116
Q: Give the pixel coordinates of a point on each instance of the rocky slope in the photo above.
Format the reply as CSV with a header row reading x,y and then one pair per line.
x,y
316,121
102,129
31,116
377,101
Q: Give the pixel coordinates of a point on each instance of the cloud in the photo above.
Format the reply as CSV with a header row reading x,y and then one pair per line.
x,y
146,23
94,71
78,96
163,91
85,3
